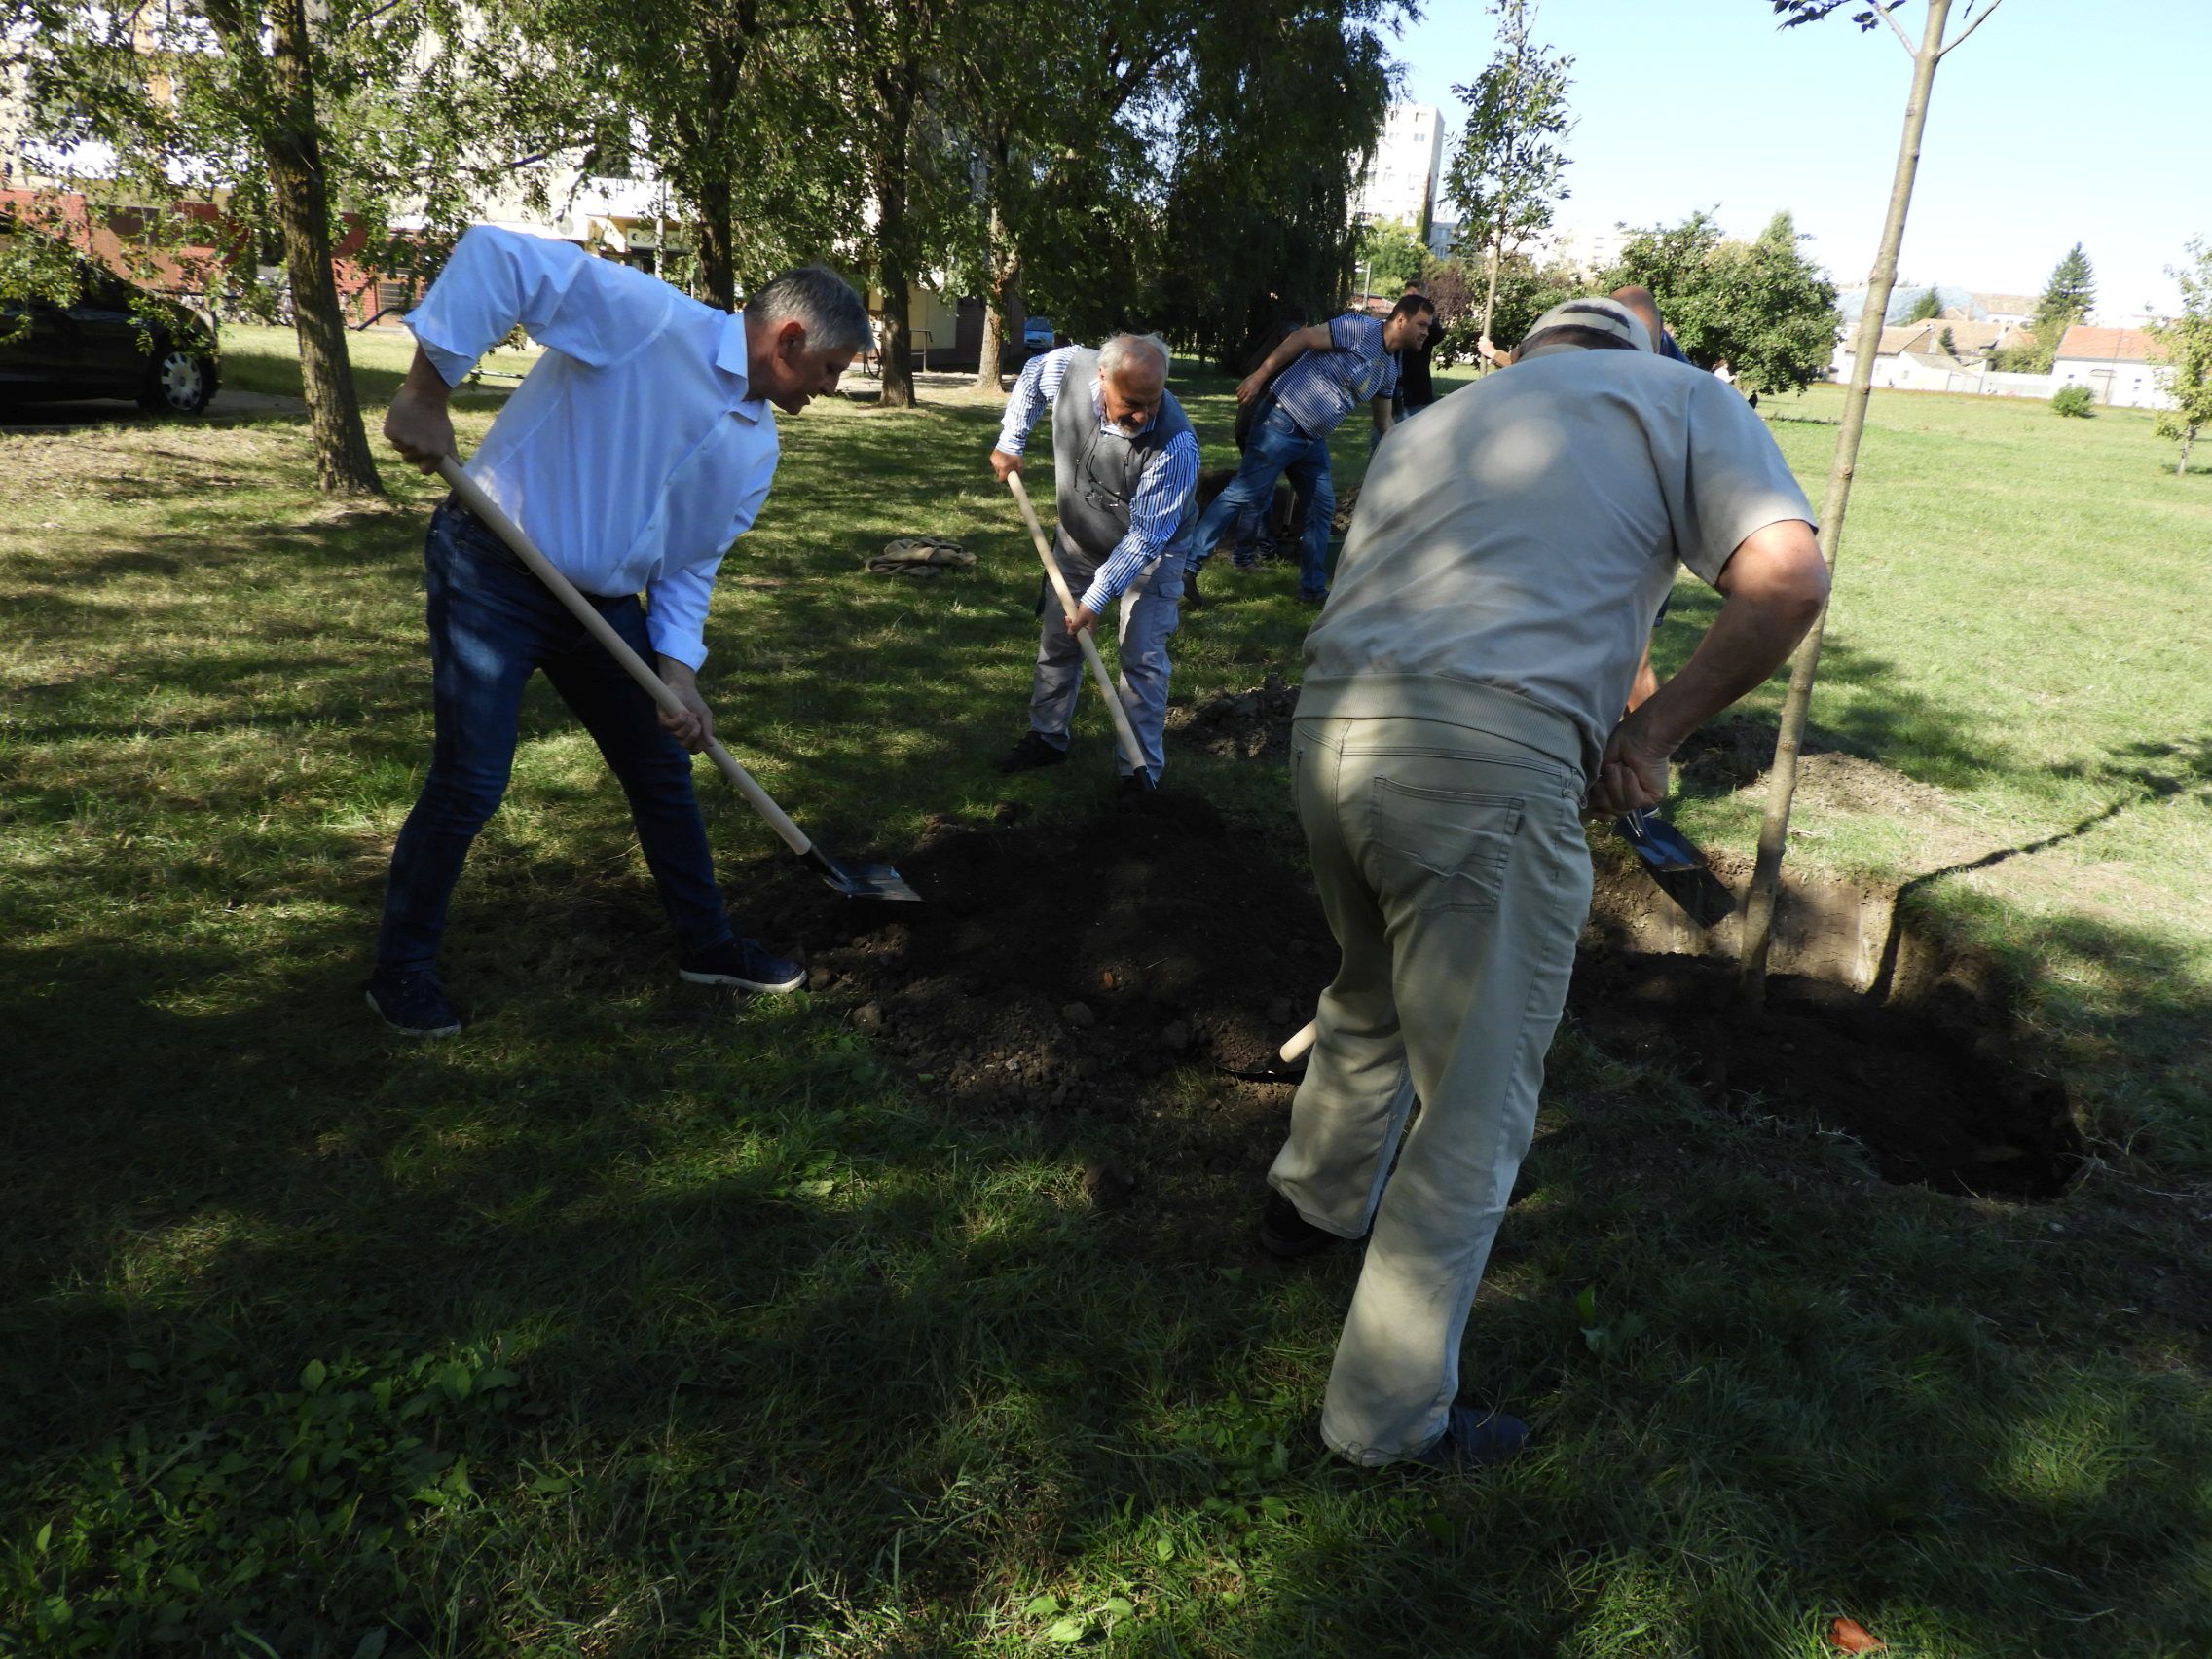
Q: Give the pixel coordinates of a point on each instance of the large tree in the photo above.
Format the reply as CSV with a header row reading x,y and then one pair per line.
x,y
1058,109
1804,667
1390,254
1508,173
294,123
2067,299
1762,306
730,97
1277,109
2186,375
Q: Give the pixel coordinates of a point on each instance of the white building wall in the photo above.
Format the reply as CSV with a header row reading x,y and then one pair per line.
x,y
2122,386
1408,169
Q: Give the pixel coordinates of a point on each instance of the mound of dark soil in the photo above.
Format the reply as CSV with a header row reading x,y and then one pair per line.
x,y
1239,725
1072,965
1937,1102
1075,972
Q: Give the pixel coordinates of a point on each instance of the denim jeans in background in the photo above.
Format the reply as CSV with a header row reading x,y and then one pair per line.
x,y
492,625
1277,449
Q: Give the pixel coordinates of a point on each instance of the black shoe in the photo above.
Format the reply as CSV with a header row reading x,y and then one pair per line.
x,y
1315,600
1193,599
1031,753
744,964
1287,1235
1475,1440
1133,786
413,1002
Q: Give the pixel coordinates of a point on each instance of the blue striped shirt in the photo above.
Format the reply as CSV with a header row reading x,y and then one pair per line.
x,y
1321,388
1169,476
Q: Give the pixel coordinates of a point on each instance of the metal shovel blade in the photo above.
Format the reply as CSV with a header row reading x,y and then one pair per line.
x,y
859,881
1677,867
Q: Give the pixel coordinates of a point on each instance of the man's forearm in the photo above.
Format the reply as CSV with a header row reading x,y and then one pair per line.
x,y
1757,628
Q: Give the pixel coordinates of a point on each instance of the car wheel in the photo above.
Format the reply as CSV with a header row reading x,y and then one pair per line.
x,y
182,381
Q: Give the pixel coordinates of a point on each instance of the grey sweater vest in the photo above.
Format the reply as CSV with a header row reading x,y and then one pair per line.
x,y
1097,470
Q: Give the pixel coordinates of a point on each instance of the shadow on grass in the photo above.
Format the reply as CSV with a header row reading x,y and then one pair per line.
x,y
805,1357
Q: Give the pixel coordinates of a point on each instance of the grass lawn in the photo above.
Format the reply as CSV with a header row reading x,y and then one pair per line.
x,y
640,1321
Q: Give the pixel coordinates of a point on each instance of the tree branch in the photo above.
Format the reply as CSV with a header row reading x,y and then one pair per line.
x,y
1968,29
1904,40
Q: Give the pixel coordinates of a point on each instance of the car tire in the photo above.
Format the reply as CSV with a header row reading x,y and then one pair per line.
x,y
181,382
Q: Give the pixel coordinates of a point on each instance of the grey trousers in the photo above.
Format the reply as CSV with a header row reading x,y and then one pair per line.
x,y
1151,612
1453,871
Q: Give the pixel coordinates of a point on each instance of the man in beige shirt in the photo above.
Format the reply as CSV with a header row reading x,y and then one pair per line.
x,y
1461,712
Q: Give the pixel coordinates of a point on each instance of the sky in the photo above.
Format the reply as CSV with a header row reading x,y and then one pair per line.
x,y
2055,124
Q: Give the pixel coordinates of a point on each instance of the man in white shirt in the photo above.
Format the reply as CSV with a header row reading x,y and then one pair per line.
x,y
638,448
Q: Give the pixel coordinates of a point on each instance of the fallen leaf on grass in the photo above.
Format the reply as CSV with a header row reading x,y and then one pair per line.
x,y
1854,1638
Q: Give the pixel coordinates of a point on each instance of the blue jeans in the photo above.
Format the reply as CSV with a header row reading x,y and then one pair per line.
x,y
493,624
1277,449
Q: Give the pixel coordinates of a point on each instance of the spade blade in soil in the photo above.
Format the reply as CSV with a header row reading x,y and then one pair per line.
x,y
859,881
1703,895
1275,1070
1677,867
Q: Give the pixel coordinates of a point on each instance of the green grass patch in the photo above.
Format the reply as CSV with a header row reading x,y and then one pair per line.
x,y
637,1321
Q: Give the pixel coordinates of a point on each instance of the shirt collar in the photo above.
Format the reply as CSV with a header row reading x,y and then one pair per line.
x,y
1099,404
730,358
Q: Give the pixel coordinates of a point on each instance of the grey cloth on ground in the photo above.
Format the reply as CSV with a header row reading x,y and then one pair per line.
x,y
1524,531
1095,471
1452,865
1151,612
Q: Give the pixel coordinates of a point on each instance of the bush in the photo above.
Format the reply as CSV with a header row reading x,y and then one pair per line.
x,y
2073,400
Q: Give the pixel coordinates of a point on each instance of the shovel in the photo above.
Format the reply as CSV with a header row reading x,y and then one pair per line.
x,y
1123,733
1674,862
856,881
1288,1063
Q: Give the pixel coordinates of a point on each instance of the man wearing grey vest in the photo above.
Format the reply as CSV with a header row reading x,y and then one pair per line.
x,y
1125,463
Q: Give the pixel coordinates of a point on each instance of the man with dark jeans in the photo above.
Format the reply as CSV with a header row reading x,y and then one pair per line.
x,y
638,448
1416,391
1324,371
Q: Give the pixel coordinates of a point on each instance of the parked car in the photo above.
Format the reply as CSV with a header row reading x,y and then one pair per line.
x,y
118,340
1037,333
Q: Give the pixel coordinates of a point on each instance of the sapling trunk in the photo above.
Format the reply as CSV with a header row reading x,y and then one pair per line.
x,y
1774,831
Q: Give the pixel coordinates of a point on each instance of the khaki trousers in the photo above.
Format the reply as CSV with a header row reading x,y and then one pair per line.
x,y
1453,871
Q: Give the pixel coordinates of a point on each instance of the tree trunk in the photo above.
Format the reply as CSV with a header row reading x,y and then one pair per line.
x,y
1490,304
718,262
292,144
1782,787
2187,437
1001,307
894,260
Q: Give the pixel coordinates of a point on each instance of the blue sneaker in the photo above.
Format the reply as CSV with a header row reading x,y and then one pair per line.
x,y
413,1002
741,962
1475,1440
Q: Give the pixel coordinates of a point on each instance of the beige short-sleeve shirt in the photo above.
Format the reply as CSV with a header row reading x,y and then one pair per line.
x,y
1523,532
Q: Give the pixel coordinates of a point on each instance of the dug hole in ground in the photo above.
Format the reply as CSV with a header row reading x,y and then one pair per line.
x,y
1100,975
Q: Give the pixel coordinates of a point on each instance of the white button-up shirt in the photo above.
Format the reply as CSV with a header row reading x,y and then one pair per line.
x,y
634,453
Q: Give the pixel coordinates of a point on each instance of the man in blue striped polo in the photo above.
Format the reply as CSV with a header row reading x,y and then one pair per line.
x,y
1125,463
1305,389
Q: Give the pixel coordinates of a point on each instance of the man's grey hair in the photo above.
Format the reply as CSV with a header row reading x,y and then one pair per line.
x,y
1133,351
820,300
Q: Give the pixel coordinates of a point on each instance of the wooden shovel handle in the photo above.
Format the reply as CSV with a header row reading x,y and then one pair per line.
x,y
472,495
1123,732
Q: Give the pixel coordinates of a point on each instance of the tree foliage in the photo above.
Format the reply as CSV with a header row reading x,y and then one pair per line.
x,y
250,128
1508,173
2066,301
1762,306
2186,375
1275,110
1524,291
1392,254
1928,308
